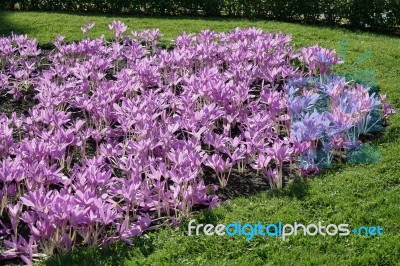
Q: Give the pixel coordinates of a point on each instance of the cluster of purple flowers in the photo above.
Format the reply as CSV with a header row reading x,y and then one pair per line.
x,y
122,131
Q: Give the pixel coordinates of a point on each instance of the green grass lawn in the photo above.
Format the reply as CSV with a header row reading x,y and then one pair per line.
x,y
353,194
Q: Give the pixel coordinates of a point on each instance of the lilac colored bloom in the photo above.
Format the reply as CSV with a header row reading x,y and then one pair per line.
x,y
118,28
87,27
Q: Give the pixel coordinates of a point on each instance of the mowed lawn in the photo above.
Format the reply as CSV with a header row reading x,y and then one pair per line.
x,y
354,194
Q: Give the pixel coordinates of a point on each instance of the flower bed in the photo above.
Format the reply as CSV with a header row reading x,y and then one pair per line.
x,y
117,136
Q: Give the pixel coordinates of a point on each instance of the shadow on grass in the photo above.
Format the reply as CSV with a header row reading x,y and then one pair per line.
x,y
315,25
7,26
391,134
234,19
298,189
112,255
207,216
